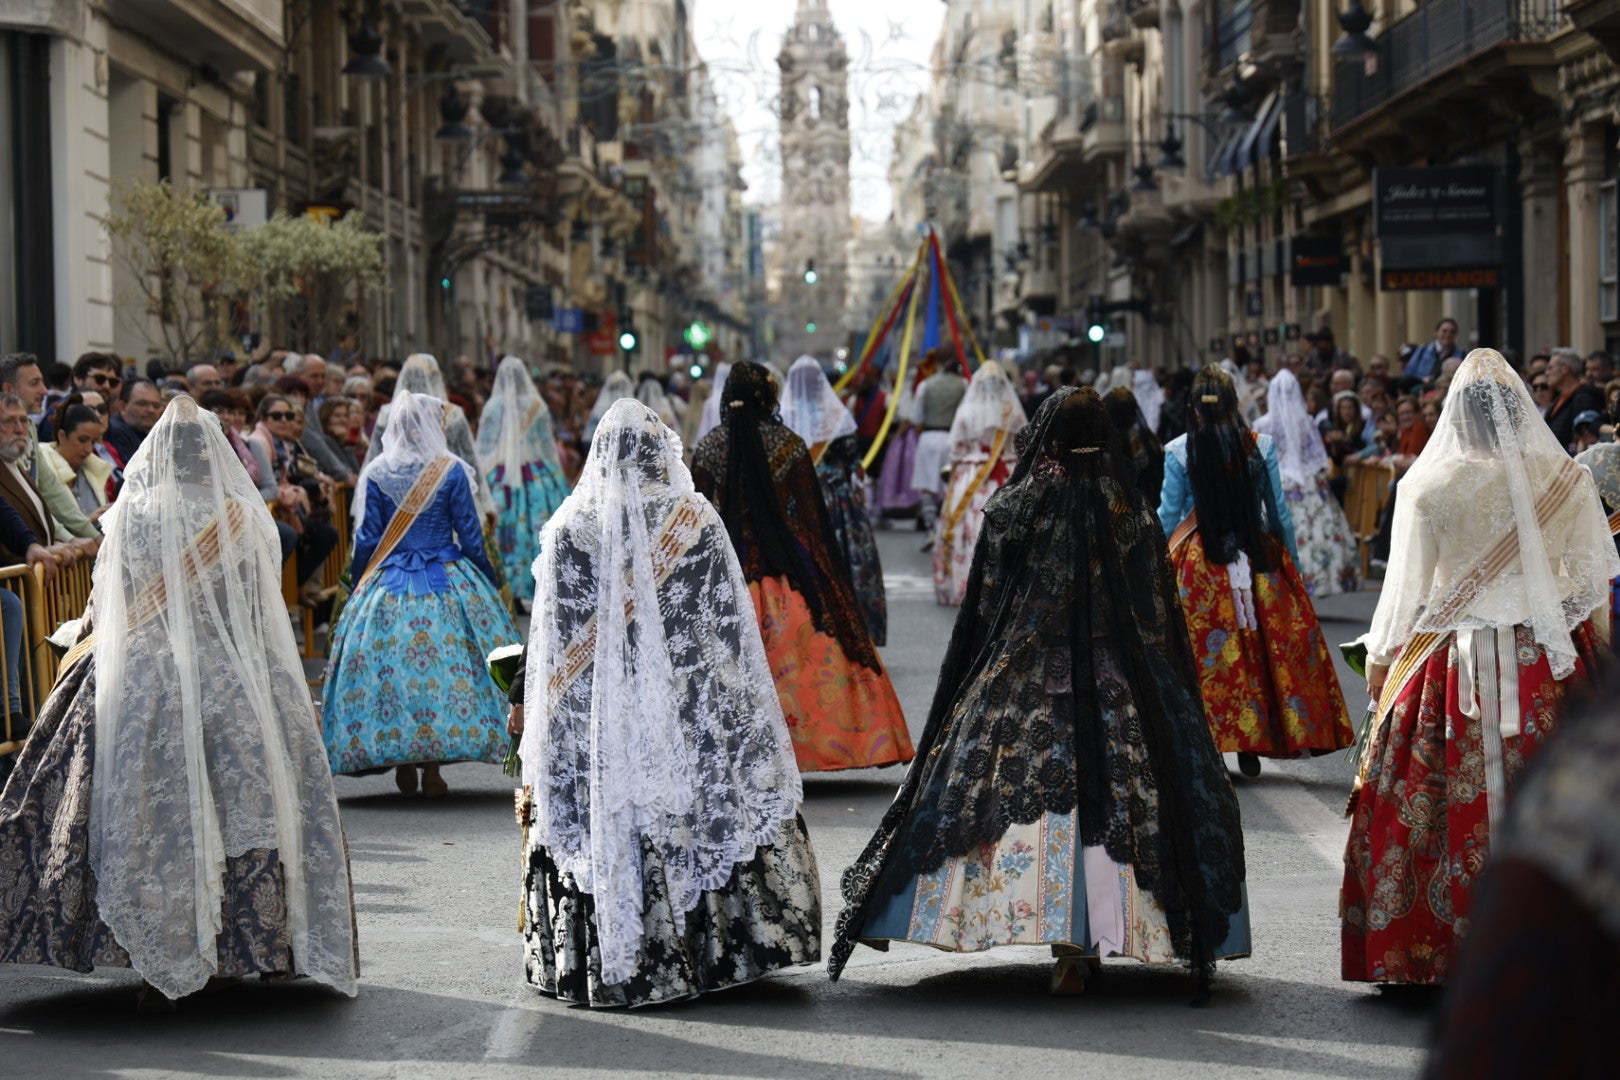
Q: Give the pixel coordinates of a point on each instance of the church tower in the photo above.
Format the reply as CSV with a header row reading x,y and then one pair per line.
x,y
815,185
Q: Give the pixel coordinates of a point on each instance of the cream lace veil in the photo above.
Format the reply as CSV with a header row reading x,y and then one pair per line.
x,y
207,745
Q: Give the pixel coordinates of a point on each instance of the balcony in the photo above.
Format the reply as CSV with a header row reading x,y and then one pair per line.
x,y
227,35
1234,21
467,30
1599,18
1429,47
1102,129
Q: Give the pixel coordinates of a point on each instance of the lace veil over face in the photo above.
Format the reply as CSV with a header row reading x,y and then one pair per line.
x,y
1301,454
515,429
1494,525
810,407
1149,397
207,745
413,440
990,405
421,375
652,719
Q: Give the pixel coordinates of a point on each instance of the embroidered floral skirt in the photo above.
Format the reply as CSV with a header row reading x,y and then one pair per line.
x,y
1270,690
953,547
841,714
1328,560
766,918
1435,784
895,495
1037,885
48,911
407,681
521,509
852,528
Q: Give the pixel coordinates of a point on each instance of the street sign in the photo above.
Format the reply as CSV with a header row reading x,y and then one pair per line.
x,y
1316,260
537,303
605,341
244,207
568,320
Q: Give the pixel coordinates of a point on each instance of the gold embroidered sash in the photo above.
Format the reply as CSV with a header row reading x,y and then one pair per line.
x,y
678,535
1471,582
416,500
953,517
1614,523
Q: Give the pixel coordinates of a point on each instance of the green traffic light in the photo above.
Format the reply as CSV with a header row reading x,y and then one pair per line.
x,y
811,277
1096,332
698,335
809,327
627,341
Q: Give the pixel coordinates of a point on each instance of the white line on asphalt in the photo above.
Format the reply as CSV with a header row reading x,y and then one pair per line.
x,y
511,1034
1325,831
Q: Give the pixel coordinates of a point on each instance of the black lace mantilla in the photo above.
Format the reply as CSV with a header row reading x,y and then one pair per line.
x,y
1069,684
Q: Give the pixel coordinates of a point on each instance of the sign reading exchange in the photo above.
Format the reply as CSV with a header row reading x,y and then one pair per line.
x,y
1484,278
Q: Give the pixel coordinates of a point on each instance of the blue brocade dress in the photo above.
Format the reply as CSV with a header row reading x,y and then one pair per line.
x,y
523,504
407,680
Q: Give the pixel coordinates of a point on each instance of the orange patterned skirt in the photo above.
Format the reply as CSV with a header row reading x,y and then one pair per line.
x,y
841,714
1270,690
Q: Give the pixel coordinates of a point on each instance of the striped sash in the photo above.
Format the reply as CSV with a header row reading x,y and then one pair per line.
x,y
416,500
678,535
953,517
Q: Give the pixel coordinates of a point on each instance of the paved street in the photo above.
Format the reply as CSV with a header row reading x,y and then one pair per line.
x,y
442,992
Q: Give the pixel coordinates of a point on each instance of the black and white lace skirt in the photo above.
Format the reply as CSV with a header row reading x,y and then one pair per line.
x,y
766,918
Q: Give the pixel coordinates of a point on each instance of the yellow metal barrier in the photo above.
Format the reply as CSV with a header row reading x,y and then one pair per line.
x,y
38,660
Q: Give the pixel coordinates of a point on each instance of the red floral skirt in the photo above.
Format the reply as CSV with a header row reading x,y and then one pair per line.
x,y
842,715
1270,690
1420,823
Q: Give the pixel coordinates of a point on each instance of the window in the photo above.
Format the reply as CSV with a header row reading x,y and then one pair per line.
x,y
1608,253
815,103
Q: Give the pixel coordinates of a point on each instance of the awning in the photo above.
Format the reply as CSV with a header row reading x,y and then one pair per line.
x,y
1257,139
1219,155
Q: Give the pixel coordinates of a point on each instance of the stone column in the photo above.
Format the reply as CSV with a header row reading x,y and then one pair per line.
x,y
80,170
1583,172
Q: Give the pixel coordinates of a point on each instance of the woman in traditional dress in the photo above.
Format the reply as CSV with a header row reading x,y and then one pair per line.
x,y
1490,616
617,385
1604,462
983,453
1327,559
518,453
190,685
666,856
894,497
1067,792
812,411
709,418
650,391
421,375
839,703
1267,678
1149,398
1145,450
406,684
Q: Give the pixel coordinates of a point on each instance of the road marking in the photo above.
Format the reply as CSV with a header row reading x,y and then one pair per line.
x,y
512,1033
908,585
1313,822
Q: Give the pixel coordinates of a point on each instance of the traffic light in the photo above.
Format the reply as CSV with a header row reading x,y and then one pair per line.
x,y
1096,332
1096,327
810,275
627,340
698,335
809,327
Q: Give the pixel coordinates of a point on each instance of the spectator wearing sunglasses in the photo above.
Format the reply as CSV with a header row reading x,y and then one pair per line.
x,y
1541,392
298,483
100,372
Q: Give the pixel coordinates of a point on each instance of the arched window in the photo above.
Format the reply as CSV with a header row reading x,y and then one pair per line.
x,y
815,103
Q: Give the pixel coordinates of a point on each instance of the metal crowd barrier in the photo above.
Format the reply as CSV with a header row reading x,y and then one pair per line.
x,y
45,607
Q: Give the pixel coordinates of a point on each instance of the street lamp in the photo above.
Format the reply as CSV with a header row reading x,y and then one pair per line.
x,y
453,111
1170,159
366,46
1143,184
1355,44
512,174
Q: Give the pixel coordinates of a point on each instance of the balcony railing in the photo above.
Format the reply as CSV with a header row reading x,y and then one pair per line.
x,y
1439,35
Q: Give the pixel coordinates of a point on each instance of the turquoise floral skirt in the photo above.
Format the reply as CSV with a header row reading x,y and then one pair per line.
x,y
522,508
407,681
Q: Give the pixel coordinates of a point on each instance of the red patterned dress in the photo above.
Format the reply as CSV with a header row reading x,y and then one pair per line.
x,y
1268,681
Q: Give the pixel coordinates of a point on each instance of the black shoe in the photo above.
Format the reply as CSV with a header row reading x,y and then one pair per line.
x,y
1248,764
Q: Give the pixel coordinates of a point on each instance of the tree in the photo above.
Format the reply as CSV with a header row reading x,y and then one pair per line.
x,y
188,268
310,274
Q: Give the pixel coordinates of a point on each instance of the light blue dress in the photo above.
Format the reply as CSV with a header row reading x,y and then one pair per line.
x,y
523,504
1176,496
407,682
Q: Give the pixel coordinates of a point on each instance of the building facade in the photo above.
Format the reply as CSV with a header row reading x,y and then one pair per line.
x,y
536,169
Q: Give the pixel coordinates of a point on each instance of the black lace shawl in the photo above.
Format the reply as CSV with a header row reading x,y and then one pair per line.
x,y
761,479
1069,684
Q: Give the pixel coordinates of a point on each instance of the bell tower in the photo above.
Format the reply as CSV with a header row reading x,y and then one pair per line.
x,y
814,110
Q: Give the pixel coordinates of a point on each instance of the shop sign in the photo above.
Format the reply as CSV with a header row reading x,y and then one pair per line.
x,y
1489,277
1316,260
604,341
1432,220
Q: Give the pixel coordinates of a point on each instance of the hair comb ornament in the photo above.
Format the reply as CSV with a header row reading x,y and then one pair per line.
x,y
1210,399
1086,450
